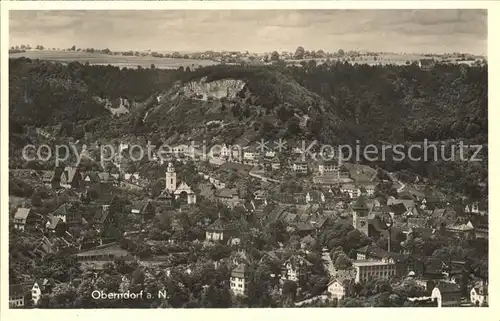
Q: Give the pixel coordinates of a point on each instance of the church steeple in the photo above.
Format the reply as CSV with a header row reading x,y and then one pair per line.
x,y
170,178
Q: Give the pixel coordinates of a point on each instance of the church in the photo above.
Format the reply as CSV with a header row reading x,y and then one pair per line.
x,y
176,190
368,222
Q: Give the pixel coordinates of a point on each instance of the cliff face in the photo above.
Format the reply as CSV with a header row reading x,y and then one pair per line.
x,y
122,107
203,90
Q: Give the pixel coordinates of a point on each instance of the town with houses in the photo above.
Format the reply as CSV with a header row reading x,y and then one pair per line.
x,y
238,214
302,232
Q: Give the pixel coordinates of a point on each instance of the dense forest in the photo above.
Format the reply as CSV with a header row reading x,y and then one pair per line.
x,y
344,103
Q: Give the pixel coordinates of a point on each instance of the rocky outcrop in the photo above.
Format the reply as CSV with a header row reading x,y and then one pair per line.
x,y
203,90
122,108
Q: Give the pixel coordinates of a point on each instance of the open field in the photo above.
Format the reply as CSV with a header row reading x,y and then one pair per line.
x,y
119,61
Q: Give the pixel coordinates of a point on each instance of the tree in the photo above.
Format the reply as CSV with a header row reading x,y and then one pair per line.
x,y
36,200
299,53
290,290
343,262
63,296
275,56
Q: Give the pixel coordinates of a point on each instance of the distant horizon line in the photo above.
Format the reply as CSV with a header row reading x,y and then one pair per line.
x,y
363,51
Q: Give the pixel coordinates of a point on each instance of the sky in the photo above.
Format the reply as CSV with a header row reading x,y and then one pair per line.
x,y
417,31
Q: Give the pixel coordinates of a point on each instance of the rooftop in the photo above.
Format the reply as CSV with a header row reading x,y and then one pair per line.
x,y
22,213
370,263
108,249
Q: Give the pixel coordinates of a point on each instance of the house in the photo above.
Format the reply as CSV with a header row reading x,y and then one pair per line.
x,y
90,178
240,279
352,190
275,163
480,224
443,216
315,196
104,253
106,178
299,166
479,294
408,204
218,231
146,210
304,228
24,217
330,167
180,150
277,213
55,226
270,153
250,153
413,232
69,213
70,177
225,152
447,294
295,199
370,252
295,268
38,288
48,178
472,208
337,289
396,210
368,190
260,195
369,269
229,196
461,230
16,296
131,177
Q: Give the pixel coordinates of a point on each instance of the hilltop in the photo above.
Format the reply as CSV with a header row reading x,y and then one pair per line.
x,y
336,103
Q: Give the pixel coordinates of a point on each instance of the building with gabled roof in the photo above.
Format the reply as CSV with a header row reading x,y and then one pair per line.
x,y
55,225
479,294
461,230
16,296
240,279
48,178
70,177
338,288
107,252
481,226
374,269
315,196
23,217
144,209
219,230
447,294
229,196
295,267
370,252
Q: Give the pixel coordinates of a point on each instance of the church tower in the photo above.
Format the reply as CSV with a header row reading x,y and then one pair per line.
x,y
171,178
360,215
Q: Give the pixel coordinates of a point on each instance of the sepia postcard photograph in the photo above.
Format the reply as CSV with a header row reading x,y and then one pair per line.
x,y
244,158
